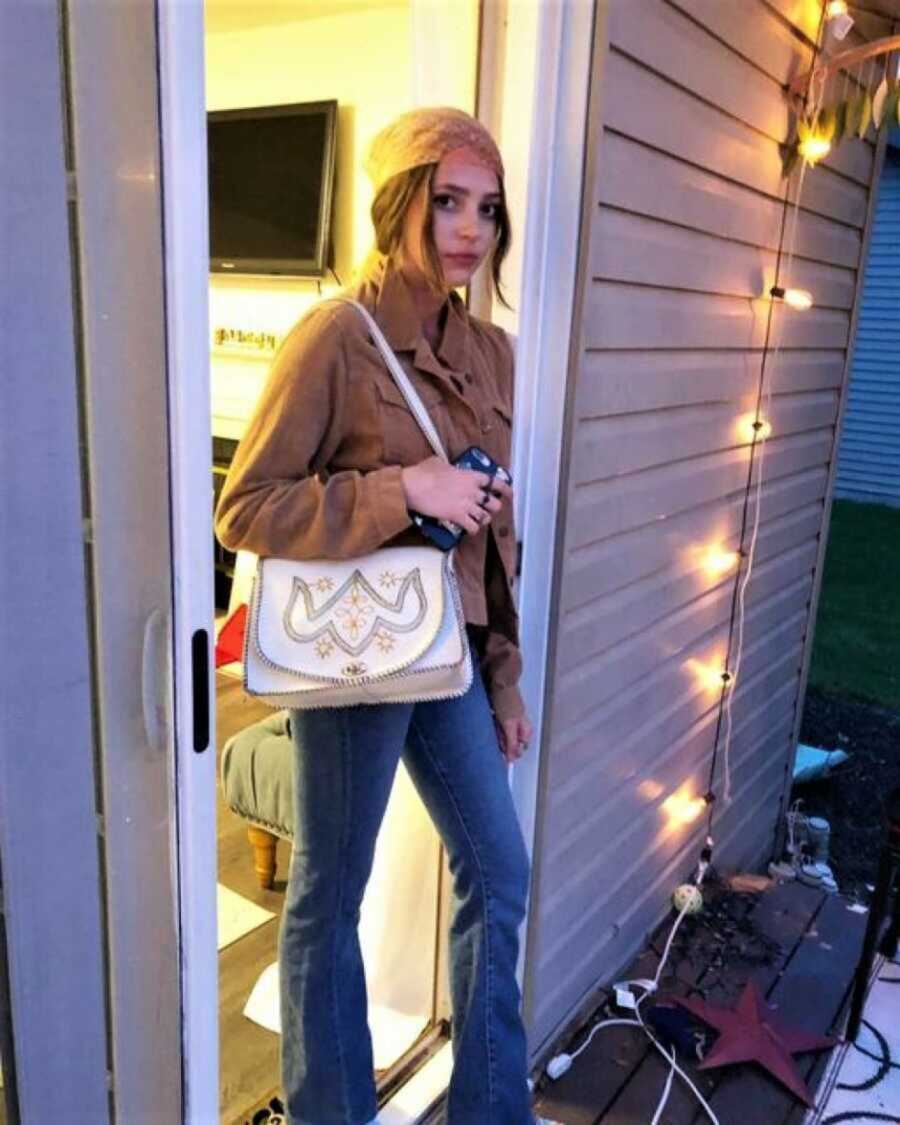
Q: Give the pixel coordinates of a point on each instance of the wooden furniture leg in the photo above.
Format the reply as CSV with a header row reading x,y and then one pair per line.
x,y
263,844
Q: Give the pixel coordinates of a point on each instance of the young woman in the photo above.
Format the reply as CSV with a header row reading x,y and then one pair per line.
x,y
330,466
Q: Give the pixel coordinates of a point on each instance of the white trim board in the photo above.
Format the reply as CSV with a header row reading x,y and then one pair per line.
x,y
551,208
182,98
417,1097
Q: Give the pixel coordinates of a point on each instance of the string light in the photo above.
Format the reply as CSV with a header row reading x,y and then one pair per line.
x,y
712,676
719,561
750,428
814,148
814,137
685,810
797,298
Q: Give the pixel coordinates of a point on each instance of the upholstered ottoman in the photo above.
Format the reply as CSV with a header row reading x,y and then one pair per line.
x,y
257,775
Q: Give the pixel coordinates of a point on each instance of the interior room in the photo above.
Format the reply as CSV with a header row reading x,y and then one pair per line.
x,y
294,93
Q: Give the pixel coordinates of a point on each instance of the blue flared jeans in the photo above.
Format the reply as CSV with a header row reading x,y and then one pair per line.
x,y
346,759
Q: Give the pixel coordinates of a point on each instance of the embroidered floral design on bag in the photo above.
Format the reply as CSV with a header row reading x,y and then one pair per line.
x,y
355,609
324,584
354,619
356,615
385,640
389,579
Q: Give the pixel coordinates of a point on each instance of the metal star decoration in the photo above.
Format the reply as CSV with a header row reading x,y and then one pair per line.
x,y
752,1032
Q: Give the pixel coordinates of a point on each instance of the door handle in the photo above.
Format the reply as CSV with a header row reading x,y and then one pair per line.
x,y
155,679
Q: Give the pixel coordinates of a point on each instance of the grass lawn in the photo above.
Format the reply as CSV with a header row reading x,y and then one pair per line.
x,y
856,649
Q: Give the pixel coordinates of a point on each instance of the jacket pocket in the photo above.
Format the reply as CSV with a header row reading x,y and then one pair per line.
x,y
402,436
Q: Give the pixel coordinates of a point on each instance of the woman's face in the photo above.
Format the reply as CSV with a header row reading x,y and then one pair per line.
x,y
465,197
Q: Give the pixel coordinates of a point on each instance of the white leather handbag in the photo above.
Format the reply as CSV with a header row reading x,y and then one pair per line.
x,y
386,627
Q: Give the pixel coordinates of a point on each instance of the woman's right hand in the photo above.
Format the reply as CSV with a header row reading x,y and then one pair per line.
x,y
436,488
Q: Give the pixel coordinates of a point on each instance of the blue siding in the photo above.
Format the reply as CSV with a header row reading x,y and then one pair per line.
x,y
869,455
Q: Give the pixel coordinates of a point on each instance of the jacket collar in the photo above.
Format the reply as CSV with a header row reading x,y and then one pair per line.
x,y
396,316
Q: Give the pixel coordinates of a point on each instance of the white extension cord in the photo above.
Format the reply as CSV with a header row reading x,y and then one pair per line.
x,y
559,1064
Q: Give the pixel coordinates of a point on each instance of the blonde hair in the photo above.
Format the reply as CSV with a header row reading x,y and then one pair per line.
x,y
390,210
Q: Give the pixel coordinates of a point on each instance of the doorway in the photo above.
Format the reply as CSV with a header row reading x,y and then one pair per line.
x,y
506,50
259,60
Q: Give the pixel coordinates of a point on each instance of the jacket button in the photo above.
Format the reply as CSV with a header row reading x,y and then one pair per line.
x,y
503,532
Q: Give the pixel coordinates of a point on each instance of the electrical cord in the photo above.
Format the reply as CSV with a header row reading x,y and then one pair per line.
x,y
559,1064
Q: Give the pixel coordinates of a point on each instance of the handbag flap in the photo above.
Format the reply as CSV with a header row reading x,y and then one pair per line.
x,y
349,620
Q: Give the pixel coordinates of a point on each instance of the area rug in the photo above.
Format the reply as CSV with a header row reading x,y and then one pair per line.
x,y
268,1111
236,915
862,1082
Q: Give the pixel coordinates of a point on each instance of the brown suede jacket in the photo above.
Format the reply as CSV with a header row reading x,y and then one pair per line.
x,y
317,473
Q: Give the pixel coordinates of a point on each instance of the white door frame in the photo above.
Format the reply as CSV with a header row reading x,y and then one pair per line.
x,y
544,99
542,107
182,99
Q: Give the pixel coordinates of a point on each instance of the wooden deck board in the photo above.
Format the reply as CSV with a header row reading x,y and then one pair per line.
x,y
620,1078
782,915
810,994
605,1067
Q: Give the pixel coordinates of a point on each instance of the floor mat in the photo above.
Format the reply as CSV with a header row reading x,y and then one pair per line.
x,y
236,915
862,1082
270,1111
392,1032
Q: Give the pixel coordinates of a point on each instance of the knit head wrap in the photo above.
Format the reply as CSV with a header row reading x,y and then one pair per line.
x,y
425,136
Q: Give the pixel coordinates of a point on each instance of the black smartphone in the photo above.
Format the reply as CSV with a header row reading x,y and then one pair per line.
x,y
444,533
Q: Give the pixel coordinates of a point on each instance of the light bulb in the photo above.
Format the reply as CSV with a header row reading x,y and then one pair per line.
x,y
683,809
719,561
814,148
836,8
713,677
750,428
796,298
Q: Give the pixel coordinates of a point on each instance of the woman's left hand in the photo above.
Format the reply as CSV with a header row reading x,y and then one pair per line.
x,y
514,736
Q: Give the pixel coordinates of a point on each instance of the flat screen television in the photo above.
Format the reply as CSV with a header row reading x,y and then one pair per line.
x,y
271,182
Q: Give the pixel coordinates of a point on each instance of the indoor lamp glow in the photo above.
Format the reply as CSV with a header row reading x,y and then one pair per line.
x,y
838,16
797,298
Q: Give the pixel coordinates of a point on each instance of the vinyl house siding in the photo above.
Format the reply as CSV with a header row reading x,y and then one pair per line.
x,y
686,205
869,460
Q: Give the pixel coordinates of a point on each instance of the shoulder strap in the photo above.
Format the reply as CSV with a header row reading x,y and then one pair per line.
x,y
401,379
